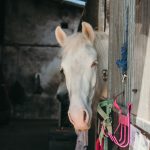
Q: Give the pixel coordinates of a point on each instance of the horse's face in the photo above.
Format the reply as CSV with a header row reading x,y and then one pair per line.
x,y
79,65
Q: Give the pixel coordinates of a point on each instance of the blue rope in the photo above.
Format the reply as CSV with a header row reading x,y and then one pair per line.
x,y
122,63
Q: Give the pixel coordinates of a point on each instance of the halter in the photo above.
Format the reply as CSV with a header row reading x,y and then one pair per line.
x,y
123,127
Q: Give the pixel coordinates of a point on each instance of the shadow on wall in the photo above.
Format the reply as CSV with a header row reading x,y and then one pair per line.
x,y
29,48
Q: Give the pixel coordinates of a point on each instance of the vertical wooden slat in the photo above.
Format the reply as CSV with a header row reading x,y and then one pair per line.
x,y
121,19
115,43
101,15
116,40
139,52
131,31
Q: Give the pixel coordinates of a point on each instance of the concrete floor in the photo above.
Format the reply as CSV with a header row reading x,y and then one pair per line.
x,y
26,135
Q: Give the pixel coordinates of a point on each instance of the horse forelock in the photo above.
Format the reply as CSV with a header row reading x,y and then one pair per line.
x,y
74,43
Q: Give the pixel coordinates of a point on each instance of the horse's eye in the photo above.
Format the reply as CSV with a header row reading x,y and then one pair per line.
x,y
94,63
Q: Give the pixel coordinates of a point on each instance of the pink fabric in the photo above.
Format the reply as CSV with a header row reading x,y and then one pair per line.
x,y
123,127
116,105
121,134
123,119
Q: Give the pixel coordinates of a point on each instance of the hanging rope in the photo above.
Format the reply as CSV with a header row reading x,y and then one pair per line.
x,y
121,135
122,63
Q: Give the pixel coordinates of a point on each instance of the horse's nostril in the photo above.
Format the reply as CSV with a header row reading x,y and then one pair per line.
x,y
79,118
66,95
84,116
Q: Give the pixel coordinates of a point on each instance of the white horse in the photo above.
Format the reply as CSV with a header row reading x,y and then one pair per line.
x,y
79,65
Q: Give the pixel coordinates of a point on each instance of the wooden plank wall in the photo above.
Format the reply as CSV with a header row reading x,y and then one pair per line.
x,y
119,12
137,86
103,16
140,65
116,39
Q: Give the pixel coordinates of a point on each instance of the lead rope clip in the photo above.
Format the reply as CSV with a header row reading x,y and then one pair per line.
x,y
124,78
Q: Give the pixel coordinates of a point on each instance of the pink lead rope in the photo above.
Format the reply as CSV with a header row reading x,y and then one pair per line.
x,y
123,125
123,128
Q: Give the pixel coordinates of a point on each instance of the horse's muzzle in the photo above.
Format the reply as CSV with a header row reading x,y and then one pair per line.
x,y
79,118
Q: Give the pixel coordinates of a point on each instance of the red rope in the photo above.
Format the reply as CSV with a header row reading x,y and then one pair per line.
x,y
98,145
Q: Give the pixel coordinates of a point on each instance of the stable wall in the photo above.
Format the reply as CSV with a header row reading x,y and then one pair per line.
x,y
29,45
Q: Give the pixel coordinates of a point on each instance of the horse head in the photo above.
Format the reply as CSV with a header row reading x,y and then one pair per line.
x,y
79,66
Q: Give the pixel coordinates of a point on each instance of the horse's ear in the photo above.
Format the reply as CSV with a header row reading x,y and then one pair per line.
x,y
60,36
88,31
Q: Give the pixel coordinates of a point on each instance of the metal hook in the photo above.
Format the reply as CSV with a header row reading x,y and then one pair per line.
x,y
124,77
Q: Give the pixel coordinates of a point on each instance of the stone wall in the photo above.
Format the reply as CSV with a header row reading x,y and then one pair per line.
x,y
30,46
